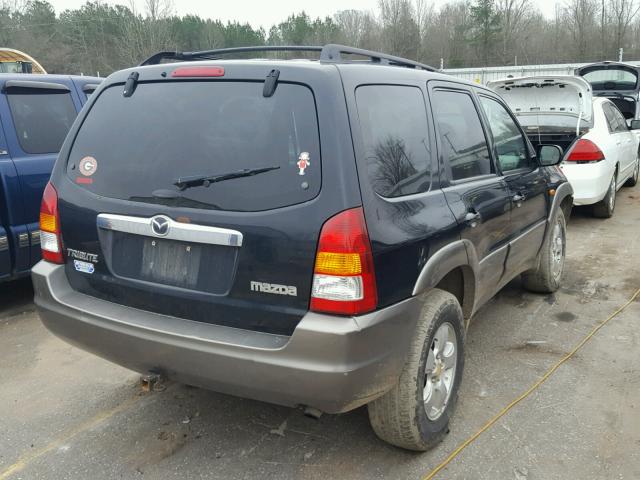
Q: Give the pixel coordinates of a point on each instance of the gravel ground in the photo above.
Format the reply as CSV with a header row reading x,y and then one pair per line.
x,y
68,415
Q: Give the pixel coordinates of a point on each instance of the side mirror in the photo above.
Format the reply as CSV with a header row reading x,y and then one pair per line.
x,y
635,124
549,155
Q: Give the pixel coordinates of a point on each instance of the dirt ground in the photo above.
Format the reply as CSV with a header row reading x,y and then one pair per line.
x,y
65,414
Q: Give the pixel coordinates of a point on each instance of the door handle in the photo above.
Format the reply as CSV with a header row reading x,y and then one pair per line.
x,y
518,198
472,218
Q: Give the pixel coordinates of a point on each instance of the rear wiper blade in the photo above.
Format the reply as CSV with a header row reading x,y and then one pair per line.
x,y
205,180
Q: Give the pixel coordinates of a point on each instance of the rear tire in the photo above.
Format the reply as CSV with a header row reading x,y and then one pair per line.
x,y
605,208
633,179
547,277
415,413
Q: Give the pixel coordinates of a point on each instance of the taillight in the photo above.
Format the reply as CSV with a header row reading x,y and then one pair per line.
x,y
585,151
50,241
344,281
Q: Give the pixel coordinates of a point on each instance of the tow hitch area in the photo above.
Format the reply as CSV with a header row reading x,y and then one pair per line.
x,y
152,382
312,412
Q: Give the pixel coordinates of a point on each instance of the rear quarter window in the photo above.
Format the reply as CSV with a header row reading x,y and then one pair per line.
x,y
140,145
42,119
395,135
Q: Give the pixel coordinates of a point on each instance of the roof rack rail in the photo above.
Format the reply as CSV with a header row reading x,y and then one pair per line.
x,y
333,53
330,53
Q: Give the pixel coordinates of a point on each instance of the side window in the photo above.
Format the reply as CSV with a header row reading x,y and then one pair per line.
x,y
41,118
621,123
611,123
393,122
462,140
511,147
613,120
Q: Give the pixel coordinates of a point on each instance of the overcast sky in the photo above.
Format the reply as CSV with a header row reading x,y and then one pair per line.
x,y
266,13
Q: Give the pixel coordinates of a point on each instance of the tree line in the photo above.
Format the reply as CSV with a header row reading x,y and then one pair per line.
x,y
102,38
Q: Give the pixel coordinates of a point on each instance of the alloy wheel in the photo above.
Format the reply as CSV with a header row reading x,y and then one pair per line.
x,y
612,194
440,371
557,250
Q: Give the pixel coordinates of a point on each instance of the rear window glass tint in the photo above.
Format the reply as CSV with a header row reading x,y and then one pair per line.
x,y
41,119
139,146
395,133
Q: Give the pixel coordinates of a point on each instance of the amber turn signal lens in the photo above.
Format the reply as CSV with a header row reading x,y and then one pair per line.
x,y
329,263
48,222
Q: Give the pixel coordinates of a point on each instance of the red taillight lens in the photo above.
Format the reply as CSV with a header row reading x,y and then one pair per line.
x,y
50,241
198,72
585,151
344,281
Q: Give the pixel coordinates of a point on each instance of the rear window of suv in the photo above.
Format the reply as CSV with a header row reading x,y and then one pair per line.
x,y
135,148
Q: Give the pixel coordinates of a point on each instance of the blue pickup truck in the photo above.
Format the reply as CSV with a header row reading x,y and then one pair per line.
x,y
36,112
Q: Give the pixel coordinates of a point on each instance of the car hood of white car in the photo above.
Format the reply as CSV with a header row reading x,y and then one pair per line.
x,y
554,95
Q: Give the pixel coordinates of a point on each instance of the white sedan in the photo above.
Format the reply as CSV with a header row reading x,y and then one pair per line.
x,y
601,152
602,160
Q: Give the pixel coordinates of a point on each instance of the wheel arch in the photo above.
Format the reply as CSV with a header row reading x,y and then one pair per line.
x,y
566,205
453,269
562,200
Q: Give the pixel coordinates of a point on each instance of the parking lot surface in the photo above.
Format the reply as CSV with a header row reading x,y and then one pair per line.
x,y
66,414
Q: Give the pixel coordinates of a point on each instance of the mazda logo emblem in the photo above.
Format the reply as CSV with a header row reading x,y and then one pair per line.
x,y
160,225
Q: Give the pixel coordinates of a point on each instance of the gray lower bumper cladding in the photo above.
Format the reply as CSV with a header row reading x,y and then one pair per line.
x,y
334,364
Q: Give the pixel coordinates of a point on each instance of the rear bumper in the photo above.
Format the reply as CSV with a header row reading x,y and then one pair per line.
x,y
590,182
331,363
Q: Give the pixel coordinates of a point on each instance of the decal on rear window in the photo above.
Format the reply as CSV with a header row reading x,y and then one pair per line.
x,y
303,162
88,166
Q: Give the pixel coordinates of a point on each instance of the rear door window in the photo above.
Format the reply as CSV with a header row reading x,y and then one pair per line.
x,y
615,120
42,118
136,148
462,141
621,123
608,115
395,133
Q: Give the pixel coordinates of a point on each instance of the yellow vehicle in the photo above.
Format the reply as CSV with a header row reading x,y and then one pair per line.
x,y
15,61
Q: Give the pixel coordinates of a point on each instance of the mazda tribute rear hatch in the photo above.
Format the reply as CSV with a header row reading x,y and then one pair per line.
x,y
198,199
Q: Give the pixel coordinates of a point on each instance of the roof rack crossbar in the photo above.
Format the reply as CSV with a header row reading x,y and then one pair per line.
x,y
330,53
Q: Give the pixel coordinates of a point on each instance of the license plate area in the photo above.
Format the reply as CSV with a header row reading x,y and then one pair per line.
x,y
194,266
171,262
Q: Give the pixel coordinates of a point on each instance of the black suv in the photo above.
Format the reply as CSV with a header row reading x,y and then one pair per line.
x,y
308,233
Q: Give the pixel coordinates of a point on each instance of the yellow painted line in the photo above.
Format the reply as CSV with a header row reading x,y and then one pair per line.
x,y
531,389
101,417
